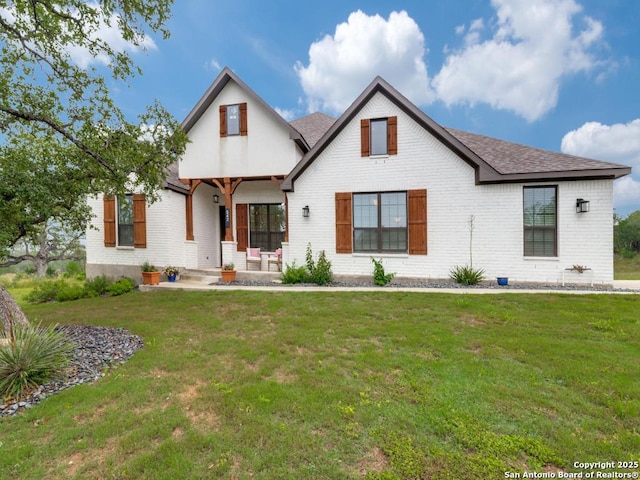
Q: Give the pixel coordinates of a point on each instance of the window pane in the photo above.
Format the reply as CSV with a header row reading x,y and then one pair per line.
x,y
394,209
233,120
365,240
125,220
365,210
394,240
266,226
379,137
539,217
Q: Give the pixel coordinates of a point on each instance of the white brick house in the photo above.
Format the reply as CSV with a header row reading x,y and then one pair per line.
x,y
383,180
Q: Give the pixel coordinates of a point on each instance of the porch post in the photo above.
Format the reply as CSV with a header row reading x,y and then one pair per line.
x,y
228,231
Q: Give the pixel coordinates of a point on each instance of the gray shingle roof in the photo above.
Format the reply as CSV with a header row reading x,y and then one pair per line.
x,y
313,126
512,158
172,181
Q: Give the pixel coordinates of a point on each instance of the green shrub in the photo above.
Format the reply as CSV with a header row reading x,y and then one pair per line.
x,y
295,274
627,253
68,292
466,275
379,277
97,286
319,273
322,274
122,286
51,271
73,270
37,355
47,291
31,270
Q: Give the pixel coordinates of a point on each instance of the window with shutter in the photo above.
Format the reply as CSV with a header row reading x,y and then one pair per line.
x,y
233,120
379,136
125,221
392,222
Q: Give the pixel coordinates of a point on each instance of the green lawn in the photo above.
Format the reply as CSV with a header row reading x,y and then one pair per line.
x,y
382,385
626,268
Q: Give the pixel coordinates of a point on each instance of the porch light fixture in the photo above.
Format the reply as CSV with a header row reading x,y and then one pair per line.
x,y
582,206
216,198
305,211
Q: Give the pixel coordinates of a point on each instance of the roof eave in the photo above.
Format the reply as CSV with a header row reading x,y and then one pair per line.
x,y
572,175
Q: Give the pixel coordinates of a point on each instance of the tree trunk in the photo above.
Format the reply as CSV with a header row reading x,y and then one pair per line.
x,y
41,264
10,311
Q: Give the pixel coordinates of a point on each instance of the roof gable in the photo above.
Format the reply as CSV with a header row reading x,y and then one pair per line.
x,y
494,161
221,81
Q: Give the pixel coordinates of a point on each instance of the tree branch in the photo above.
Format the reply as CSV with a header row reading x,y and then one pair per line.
x,y
29,117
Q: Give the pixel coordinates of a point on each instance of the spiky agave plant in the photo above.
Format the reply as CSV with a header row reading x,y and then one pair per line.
x,y
34,356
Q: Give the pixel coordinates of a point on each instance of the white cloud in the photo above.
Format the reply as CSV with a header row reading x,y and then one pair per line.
x,y
533,46
342,65
288,115
626,193
212,65
618,143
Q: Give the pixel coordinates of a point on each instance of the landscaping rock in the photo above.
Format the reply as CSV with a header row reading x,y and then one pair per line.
x,y
97,348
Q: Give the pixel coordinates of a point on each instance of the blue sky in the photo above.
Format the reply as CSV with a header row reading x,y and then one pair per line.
x,y
563,75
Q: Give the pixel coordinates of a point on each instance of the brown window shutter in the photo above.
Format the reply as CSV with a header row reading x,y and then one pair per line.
x,y
243,119
242,226
188,202
109,214
344,242
417,222
365,140
392,135
139,221
223,120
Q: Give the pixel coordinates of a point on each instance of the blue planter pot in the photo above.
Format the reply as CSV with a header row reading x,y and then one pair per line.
x,y
172,278
503,281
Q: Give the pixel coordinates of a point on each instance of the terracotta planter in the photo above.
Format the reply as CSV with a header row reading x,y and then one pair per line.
x,y
151,278
228,275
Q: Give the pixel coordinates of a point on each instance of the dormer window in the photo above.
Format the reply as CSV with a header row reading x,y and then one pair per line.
x,y
379,136
233,120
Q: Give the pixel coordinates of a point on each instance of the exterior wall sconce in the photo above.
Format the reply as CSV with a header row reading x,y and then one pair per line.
x,y
582,206
305,211
216,198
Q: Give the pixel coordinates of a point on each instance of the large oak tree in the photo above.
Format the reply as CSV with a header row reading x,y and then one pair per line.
x,y
62,135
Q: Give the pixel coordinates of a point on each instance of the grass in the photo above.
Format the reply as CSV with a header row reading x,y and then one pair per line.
x,y
626,268
342,385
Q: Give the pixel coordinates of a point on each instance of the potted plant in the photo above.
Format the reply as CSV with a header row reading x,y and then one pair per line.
x,y
171,273
228,273
150,274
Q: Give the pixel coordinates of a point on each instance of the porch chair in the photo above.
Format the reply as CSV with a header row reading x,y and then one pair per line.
x,y
253,256
275,259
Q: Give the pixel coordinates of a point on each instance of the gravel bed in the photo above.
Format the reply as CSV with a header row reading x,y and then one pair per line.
x,y
432,284
97,348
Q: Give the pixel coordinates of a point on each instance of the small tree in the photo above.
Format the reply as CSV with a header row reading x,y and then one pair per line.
x,y
49,243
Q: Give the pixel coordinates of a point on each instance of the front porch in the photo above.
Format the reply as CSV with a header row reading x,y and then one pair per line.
x,y
203,278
